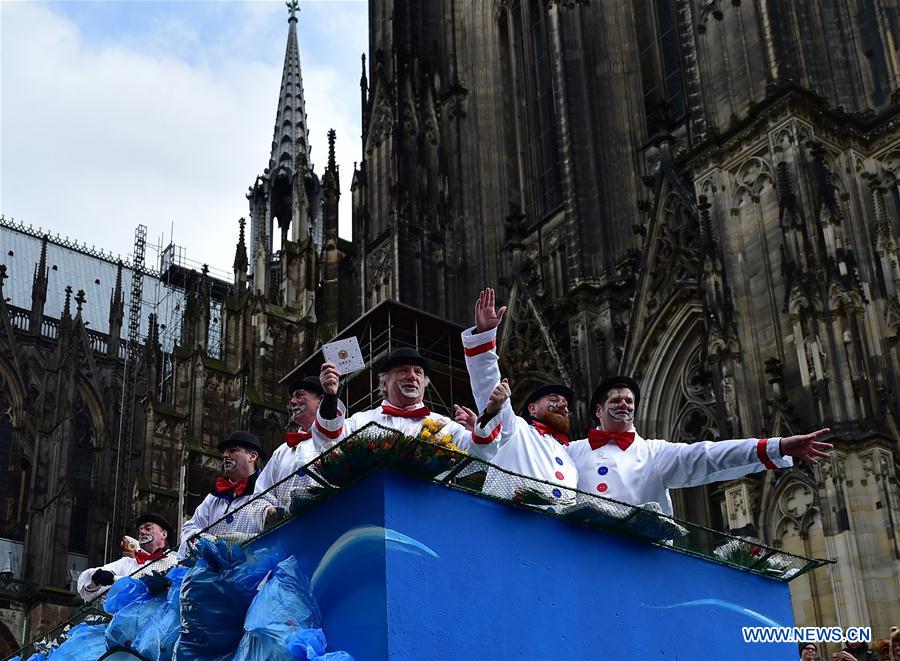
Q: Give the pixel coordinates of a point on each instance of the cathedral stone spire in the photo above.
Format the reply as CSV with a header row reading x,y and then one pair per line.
x,y
291,134
240,253
116,314
39,290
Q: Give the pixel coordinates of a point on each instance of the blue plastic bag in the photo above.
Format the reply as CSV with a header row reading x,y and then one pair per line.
x,y
157,638
283,605
123,592
215,596
85,642
310,645
132,616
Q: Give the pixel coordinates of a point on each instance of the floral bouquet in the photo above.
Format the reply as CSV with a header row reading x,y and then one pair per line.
x,y
356,456
747,553
428,454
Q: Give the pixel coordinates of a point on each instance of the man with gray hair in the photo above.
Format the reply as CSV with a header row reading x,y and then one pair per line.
x,y
402,380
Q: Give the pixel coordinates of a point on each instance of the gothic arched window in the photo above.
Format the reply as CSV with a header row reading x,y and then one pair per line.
x,y
14,471
656,23
526,62
81,473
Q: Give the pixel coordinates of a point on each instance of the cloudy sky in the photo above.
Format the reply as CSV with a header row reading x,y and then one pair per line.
x,y
124,112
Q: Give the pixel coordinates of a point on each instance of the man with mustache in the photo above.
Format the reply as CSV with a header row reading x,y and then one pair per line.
x,y
298,448
402,380
615,461
221,512
533,444
155,535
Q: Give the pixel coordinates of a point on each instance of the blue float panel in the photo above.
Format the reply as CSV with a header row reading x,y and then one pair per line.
x,y
408,569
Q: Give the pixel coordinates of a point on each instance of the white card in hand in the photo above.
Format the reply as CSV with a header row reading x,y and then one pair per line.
x,y
345,354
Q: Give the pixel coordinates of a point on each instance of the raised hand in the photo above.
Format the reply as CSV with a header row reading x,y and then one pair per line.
x,y
330,378
465,416
486,317
806,447
499,394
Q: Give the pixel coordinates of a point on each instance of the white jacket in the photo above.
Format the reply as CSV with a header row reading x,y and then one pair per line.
x,y
286,461
648,468
124,566
520,447
239,523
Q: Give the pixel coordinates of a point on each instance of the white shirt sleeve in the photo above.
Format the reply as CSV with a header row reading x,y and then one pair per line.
x,y
689,465
199,521
483,365
462,438
121,567
327,433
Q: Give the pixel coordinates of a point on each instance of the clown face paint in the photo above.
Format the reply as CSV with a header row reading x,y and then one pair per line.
x,y
617,412
303,405
405,385
151,537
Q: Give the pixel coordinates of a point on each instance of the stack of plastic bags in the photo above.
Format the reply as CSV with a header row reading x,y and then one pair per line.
x,y
283,605
157,637
283,622
143,620
131,605
215,596
231,606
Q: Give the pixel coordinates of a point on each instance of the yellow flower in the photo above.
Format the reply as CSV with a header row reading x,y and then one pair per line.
x,y
425,434
446,439
431,425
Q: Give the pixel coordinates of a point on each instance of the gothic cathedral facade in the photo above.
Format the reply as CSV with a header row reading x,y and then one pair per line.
x,y
702,194
699,193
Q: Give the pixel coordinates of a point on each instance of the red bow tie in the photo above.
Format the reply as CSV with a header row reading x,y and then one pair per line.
x,y
598,438
415,414
293,439
143,556
544,429
224,485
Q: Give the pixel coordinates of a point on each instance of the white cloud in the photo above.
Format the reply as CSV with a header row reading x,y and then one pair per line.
x,y
98,137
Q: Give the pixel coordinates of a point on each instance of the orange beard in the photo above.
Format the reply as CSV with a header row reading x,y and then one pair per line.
x,y
556,422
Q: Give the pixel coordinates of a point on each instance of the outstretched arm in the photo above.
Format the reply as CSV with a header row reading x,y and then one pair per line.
x,y
689,465
805,447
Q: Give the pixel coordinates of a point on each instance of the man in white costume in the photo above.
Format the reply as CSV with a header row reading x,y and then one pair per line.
x,y
533,444
222,512
155,535
616,462
403,378
298,448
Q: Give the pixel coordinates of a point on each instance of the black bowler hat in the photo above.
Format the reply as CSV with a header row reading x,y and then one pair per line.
x,y
608,384
308,383
243,439
548,389
162,523
406,356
